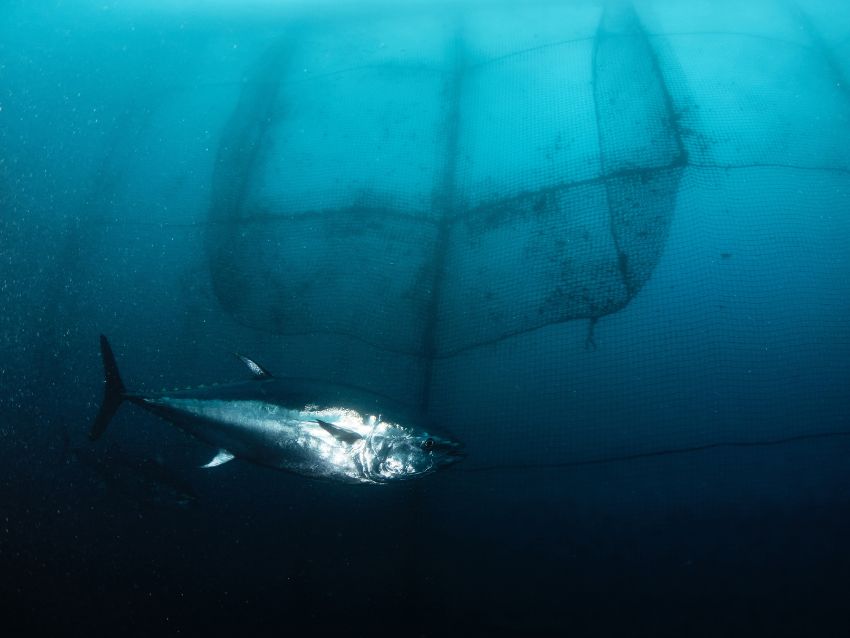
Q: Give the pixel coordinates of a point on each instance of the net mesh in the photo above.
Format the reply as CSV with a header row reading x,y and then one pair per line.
x,y
439,204
453,208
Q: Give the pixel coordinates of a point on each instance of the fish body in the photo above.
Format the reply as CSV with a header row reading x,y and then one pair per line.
x,y
315,429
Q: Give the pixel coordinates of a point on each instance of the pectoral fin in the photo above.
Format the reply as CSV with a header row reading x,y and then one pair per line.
x,y
221,458
346,436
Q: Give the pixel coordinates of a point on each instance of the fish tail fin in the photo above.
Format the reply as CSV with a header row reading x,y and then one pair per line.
x,y
113,393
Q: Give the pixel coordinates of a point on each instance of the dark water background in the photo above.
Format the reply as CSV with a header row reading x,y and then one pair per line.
x,y
132,138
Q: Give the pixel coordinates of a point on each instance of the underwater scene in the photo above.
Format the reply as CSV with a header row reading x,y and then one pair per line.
x,y
425,318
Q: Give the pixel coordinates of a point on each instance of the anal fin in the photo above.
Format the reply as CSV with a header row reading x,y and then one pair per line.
x,y
221,458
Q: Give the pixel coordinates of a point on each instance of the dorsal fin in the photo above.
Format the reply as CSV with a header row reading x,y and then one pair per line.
x,y
340,434
256,369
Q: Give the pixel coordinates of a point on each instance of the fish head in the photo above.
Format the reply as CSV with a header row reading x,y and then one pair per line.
x,y
402,453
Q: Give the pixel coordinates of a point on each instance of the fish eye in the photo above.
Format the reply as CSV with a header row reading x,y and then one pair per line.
x,y
428,444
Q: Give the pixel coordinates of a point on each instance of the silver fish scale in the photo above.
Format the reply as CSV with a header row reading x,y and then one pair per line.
x,y
294,440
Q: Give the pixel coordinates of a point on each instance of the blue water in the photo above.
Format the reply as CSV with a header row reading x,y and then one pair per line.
x,y
604,245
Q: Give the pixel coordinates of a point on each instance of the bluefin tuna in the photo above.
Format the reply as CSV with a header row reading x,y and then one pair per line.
x,y
311,428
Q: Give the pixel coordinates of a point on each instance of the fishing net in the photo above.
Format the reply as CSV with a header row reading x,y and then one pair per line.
x,y
410,205
424,199
611,227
